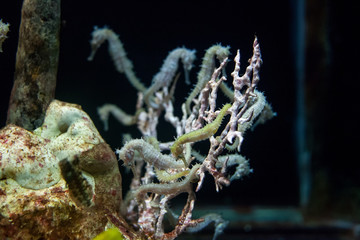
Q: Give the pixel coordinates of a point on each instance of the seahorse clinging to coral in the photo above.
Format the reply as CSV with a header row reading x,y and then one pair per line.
x,y
200,134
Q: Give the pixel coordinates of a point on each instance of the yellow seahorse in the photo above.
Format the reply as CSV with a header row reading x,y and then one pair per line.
x,y
200,134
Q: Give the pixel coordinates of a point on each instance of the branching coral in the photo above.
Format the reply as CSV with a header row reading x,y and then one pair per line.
x,y
146,203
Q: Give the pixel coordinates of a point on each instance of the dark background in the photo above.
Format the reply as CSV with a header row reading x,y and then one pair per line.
x,y
150,29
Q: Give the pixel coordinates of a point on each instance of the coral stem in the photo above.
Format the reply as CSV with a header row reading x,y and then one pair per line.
x,y
36,63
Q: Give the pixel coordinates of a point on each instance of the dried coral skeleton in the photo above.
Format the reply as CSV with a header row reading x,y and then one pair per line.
x,y
151,189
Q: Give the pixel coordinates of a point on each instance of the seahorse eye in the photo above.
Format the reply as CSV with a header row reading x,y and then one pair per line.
x,y
129,155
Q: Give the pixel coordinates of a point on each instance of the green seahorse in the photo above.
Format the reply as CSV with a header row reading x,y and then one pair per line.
x,y
200,134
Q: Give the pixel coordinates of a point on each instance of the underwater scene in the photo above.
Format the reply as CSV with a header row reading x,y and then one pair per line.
x,y
178,120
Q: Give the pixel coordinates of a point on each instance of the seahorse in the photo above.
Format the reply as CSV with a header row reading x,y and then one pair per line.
x,y
207,68
200,134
